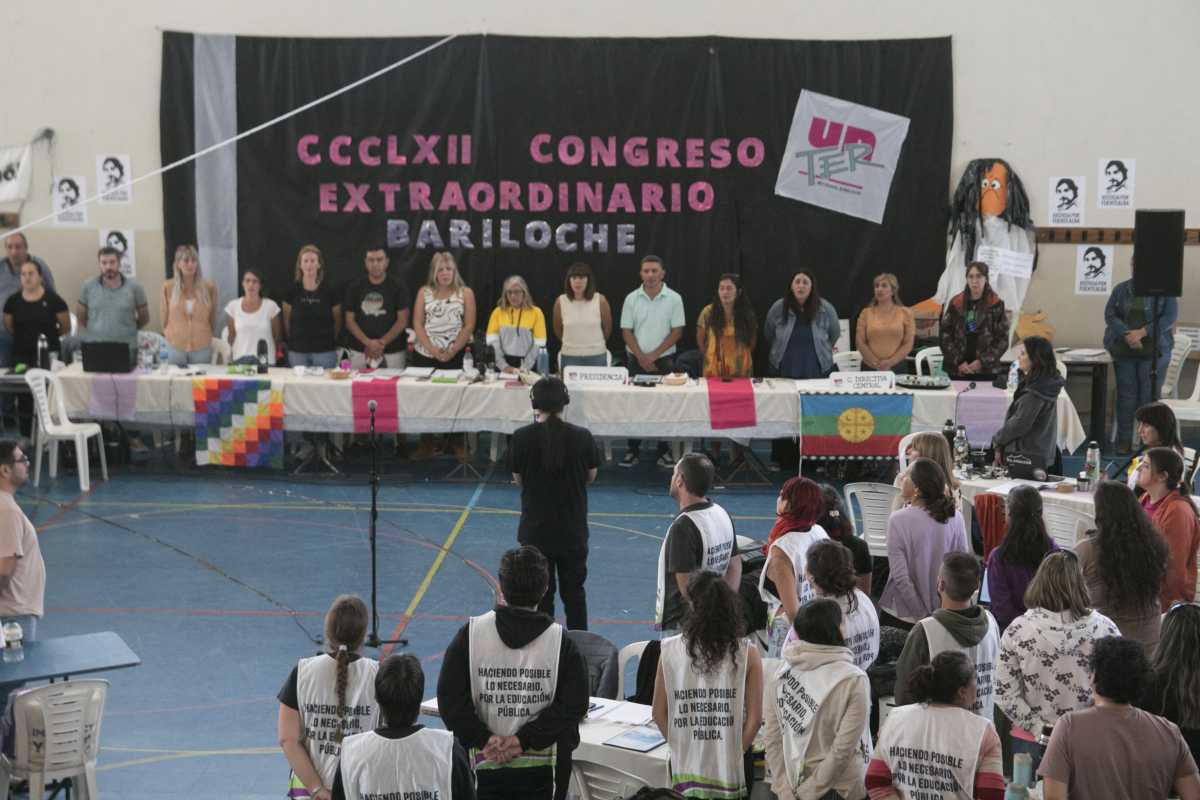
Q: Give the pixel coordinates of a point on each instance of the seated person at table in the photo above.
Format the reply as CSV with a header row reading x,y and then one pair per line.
x,y
974,331
1042,671
1156,427
1124,562
513,738
711,658
253,318
401,758
1113,749
935,735
1170,507
517,328
1031,421
32,312
1010,567
885,331
816,711
918,538
112,307
959,625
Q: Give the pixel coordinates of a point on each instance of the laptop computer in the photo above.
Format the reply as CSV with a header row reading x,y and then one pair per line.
x,y
106,357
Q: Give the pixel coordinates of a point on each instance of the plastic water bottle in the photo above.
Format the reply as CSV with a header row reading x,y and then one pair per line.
x,y
43,352
1014,376
543,363
1022,777
164,356
1091,462
949,432
468,360
13,642
962,448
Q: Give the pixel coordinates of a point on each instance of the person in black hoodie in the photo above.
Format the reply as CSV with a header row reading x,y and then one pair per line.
x,y
513,689
1031,422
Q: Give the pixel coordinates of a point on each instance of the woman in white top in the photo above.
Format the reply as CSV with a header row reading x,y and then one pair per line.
x,y
340,685
817,710
708,692
829,570
582,320
252,318
443,316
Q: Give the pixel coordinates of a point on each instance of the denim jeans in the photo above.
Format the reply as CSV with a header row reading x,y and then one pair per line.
x,y
327,359
181,358
1133,390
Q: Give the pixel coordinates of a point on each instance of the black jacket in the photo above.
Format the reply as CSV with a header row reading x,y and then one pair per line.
x,y
1031,422
558,723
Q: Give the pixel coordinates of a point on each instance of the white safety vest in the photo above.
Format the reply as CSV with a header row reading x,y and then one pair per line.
x,y
932,750
799,696
861,629
417,767
982,655
718,540
511,686
794,547
705,713
316,693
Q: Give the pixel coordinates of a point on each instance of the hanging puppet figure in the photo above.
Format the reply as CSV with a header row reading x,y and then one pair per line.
x,y
990,207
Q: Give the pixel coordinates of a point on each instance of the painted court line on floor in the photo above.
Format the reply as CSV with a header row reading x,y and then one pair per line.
x,y
437,562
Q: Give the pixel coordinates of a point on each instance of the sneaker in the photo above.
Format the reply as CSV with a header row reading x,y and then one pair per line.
x,y
629,460
666,461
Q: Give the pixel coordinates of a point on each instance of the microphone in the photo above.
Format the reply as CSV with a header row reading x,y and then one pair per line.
x,y
371,406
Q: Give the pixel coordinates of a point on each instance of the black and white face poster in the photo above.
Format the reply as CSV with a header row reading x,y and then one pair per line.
x,y
113,172
1067,195
122,242
1116,183
1093,269
69,190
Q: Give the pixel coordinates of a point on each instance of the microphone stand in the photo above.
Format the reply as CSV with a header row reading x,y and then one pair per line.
x,y
373,639
1154,356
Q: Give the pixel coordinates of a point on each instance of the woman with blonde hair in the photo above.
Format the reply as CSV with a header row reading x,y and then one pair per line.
x,y
1042,672
885,331
517,328
933,446
189,310
332,692
312,313
443,316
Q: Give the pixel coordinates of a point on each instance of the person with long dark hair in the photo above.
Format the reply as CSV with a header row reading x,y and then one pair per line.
x,y
333,692
830,572
974,329
726,331
782,583
1031,421
1042,671
801,331
918,538
1124,562
885,331
709,662
1174,691
1169,505
817,710
936,735
553,462
1156,427
1010,567
836,524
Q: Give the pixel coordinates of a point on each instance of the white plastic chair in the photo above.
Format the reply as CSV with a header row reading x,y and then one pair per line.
x,y
57,730
1179,353
901,455
849,361
931,357
1189,465
874,506
624,656
74,323
601,782
1187,410
1064,523
52,430
220,351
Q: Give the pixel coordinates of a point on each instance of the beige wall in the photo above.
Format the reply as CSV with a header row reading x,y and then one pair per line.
x,y
1049,86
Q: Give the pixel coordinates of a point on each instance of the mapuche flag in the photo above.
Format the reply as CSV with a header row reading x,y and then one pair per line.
x,y
863,425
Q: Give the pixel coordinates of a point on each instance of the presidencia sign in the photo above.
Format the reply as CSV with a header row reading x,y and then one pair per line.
x,y
523,155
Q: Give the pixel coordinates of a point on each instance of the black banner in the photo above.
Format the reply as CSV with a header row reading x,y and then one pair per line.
x,y
524,155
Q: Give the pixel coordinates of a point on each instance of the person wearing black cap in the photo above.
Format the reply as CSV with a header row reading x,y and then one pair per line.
x,y
553,461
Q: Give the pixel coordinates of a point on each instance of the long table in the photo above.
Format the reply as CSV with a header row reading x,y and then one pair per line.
x,y
64,656
321,404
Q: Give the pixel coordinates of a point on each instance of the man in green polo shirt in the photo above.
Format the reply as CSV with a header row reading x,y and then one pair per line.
x,y
652,323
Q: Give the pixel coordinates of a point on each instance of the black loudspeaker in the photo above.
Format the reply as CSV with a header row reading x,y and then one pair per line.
x,y
1158,253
